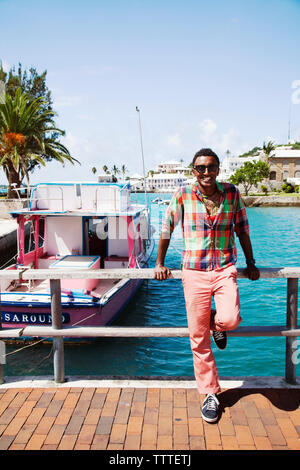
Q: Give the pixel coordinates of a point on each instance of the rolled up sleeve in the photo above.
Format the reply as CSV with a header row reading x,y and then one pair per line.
x,y
173,214
240,217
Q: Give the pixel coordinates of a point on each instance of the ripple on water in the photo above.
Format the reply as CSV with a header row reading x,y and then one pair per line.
x,y
275,236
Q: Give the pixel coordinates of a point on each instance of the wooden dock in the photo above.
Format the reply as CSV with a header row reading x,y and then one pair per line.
x,y
146,418
148,415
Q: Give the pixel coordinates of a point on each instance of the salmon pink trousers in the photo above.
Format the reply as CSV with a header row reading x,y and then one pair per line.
x,y
199,288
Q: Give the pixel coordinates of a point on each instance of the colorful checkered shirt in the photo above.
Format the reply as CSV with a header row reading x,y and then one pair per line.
x,y
207,245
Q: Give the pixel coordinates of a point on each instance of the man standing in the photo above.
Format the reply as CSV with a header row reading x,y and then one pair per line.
x,y
210,212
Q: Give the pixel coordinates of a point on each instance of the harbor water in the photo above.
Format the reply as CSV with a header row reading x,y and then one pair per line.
x,y
275,236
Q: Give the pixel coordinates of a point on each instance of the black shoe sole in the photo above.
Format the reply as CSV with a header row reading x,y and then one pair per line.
x,y
219,346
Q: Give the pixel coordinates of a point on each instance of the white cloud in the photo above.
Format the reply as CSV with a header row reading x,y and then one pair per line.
x,y
174,140
189,138
5,65
99,70
77,146
86,117
207,129
62,100
296,134
66,101
270,139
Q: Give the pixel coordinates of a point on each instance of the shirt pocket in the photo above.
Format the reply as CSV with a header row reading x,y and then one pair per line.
x,y
226,220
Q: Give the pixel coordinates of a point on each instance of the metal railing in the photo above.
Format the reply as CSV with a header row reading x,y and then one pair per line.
x,y
57,331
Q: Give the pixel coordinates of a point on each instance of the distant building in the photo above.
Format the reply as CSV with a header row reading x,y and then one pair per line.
x,y
172,166
104,178
136,182
229,165
165,181
285,164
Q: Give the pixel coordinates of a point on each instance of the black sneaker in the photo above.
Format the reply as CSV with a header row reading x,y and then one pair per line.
x,y
220,338
210,408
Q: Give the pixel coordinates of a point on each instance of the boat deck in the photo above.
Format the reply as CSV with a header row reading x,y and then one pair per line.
x,y
146,418
43,287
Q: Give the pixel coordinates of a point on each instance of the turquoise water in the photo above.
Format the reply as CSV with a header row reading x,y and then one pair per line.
x,y
275,236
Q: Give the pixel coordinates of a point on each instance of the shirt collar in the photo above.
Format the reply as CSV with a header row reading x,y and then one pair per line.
x,y
196,188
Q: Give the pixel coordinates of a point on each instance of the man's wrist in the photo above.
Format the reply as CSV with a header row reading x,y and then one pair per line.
x,y
250,262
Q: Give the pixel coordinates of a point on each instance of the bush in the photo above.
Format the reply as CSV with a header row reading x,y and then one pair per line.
x,y
288,188
264,189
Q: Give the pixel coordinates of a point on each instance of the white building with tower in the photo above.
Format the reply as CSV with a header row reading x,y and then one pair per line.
x,y
229,165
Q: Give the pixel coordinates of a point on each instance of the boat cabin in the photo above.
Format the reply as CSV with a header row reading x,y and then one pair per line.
x,y
82,225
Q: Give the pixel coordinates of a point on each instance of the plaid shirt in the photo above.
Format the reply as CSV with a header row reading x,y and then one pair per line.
x,y
207,245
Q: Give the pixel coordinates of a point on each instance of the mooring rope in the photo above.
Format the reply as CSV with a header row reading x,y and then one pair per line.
x,y
23,347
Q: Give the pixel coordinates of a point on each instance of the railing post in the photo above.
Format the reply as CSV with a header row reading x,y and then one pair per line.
x,y
291,322
1,366
58,343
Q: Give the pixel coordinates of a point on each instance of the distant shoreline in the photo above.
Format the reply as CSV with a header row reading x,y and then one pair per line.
x,y
257,200
7,205
271,201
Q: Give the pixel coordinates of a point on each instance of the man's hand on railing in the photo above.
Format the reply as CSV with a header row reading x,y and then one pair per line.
x,y
252,272
161,273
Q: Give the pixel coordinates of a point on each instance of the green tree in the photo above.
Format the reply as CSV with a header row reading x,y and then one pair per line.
x,y
26,130
94,170
31,82
34,85
250,174
253,151
105,169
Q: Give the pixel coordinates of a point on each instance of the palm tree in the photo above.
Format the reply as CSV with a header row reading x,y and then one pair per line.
x,y
114,171
26,131
105,169
94,170
268,149
123,170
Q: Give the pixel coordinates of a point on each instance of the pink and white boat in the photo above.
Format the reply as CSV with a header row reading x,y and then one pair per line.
x,y
85,225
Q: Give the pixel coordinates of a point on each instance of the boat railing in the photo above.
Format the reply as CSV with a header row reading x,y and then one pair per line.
x,y
58,332
97,199
45,198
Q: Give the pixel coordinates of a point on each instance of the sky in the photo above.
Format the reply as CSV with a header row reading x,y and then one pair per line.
x,y
224,75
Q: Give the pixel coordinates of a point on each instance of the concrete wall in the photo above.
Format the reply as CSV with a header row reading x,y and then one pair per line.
x,y
7,205
271,201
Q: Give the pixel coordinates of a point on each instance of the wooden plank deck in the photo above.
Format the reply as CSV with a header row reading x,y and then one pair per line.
x,y
116,418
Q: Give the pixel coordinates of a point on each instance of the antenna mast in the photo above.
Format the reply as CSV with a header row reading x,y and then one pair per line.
x,y
289,127
140,127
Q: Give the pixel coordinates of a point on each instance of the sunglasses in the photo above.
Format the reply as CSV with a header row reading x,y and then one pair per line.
x,y
201,168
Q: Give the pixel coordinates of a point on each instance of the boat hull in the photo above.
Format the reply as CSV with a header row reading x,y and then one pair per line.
x,y
94,314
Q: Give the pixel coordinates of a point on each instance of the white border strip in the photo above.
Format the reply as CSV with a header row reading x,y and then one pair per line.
x,y
90,382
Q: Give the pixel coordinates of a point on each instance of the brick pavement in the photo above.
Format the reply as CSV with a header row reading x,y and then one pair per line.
x,y
146,419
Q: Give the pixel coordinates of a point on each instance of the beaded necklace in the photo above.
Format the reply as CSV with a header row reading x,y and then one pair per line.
x,y
211,205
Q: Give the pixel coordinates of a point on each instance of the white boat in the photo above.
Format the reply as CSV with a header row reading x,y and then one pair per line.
x,y
85,225
164,202
157,200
